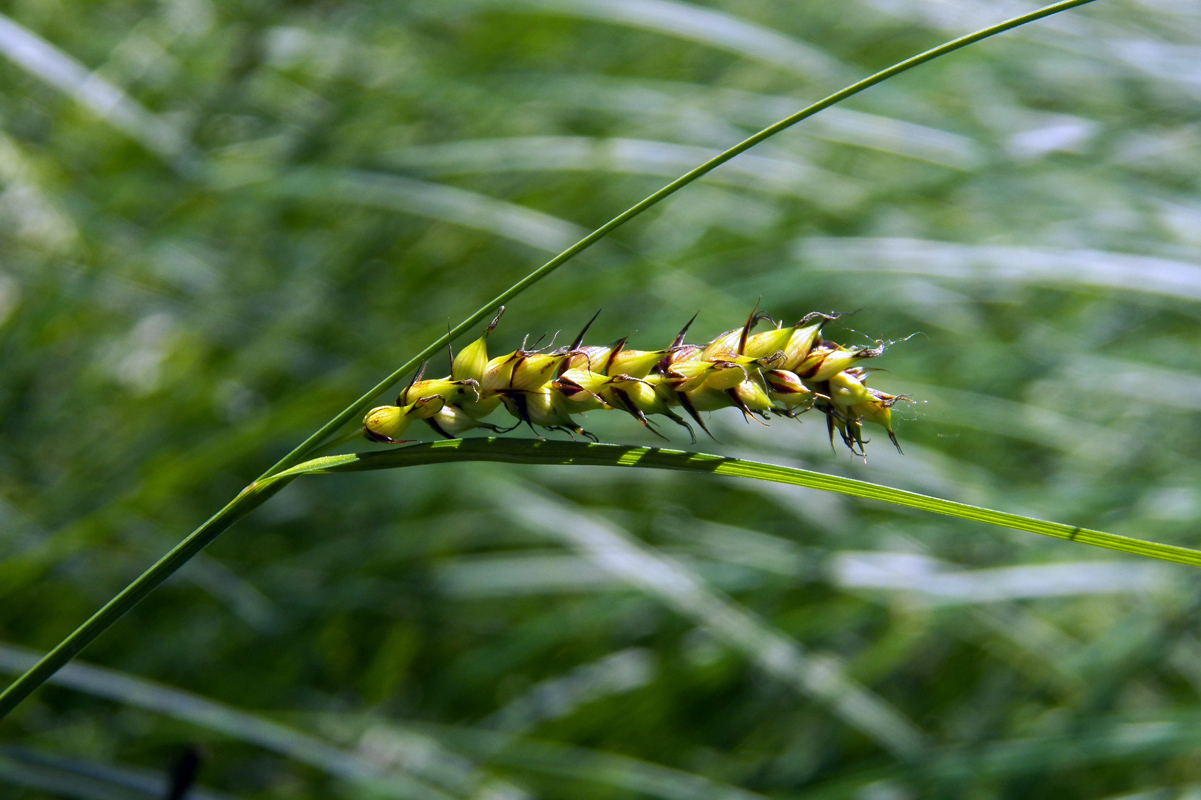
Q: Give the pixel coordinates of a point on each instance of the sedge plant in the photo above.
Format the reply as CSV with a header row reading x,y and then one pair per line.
x,y
550,386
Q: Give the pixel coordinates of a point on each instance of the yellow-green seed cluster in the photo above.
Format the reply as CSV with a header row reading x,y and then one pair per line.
x,y
784,371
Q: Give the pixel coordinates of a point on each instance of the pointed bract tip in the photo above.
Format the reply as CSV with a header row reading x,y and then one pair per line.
x,y
579,340
500,312
684,331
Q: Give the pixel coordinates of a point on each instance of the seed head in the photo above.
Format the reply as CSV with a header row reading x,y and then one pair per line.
x,y
785,370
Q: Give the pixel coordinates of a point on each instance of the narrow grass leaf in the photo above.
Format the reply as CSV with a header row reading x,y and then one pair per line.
x,y
702,25
108,101
86,780
518,451
431,200
791,177
227,721
1126,272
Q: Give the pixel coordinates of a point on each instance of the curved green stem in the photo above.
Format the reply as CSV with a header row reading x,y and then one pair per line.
x,y
251,498
309,445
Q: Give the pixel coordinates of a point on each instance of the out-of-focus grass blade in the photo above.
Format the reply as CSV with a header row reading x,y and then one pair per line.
x,y
1025,421
721,107
562,695
434,201
694,23
791,177
107,100
228,721
928,580
85,780
1107,740
819,676
1126,272
518,451
622,772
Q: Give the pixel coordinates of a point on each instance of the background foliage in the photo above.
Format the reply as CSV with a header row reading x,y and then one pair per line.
x,y
221,221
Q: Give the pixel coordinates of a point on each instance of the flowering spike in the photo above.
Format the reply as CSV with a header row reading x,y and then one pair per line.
x,y
783,370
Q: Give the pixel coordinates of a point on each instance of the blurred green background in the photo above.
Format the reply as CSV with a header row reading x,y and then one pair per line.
x,y
222,221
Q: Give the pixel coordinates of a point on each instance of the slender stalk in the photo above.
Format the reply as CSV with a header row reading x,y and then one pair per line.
x,y
309,445
251,498
275,478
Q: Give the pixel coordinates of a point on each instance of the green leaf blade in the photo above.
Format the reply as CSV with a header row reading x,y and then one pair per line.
x,y
528,451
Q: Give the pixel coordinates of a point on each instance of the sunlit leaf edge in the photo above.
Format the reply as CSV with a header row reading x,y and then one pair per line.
x,y
557,453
